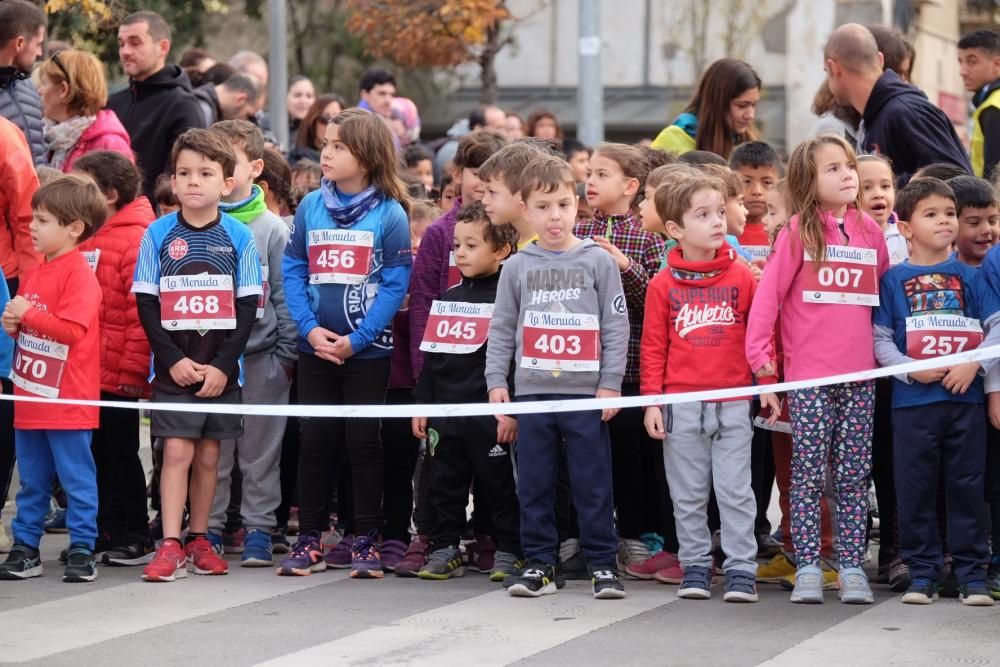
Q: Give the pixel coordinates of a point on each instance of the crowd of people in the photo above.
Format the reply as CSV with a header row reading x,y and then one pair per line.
x,y
157,246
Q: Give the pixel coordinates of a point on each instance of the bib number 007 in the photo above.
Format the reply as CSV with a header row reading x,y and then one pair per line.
x,y
841,277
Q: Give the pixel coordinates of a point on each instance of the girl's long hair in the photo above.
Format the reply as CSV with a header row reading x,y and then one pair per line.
x,y
801,177
723,81
370,141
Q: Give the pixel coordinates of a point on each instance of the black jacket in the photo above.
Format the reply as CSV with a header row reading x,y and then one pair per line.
x,y
21,105
155,112
458,378
902,124
208,102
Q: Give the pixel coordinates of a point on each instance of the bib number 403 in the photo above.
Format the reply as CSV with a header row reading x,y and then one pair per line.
x,y
336,258
558,344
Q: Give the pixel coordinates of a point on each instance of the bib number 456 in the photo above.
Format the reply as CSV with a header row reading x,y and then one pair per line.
x,y
335,258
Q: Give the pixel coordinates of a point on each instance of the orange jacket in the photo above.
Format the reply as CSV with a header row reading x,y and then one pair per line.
x,y
18,183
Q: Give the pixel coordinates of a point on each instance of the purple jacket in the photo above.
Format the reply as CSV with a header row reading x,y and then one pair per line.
x,y
429,278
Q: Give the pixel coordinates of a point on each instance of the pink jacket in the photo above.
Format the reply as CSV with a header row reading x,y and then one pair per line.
x,y
106,134
818,339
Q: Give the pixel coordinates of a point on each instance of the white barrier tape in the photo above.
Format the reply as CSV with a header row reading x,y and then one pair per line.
x,y
523,407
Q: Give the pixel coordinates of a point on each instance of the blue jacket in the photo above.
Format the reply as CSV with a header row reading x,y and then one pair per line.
x,y
362,312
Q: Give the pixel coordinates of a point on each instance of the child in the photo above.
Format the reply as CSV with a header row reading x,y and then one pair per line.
x,y
55,322
501,176
197,285
878,199
578,157
648,216
346,269
448,192
701,302
978,218
166,201
6,418
269,358
275,179
453,373
420,163
561,317
122,518
779,210
736,211
830,243
617,175
758,166
933,305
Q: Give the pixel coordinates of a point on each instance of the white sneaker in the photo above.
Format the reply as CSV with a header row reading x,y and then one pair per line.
x,y
5,541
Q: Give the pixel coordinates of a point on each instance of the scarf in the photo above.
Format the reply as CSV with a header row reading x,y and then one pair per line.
x,y
345,210
246,211
60,138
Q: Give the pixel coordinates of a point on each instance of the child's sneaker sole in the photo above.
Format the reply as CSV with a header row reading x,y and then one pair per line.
x,y
80,578
736,596
609,594
30,573
976,600
256,562
194,569
522,591
180,573
368,574
302,572
918,598
434,576
694,593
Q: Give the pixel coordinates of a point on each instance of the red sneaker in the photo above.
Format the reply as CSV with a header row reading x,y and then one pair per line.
x,y
167,564
648,568
670,575
203,559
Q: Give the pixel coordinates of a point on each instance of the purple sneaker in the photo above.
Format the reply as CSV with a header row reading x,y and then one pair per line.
x,y
415,558
306,557
340,556
393,552
366,562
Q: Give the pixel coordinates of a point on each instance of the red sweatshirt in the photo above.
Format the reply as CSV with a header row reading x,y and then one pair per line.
x,y
696,314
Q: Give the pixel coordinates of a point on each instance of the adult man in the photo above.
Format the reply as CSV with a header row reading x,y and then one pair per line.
x,y
898,120
377,87
234,99
22,31
490,117
979,66
158,106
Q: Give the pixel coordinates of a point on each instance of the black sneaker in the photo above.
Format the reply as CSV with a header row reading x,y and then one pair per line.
x,y
81,566
922,591
22,562
443,564
129,551
975,594
574,568
536,580
607,585
103,543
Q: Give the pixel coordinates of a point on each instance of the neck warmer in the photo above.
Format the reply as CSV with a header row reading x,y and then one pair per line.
x,y
345,210
247,210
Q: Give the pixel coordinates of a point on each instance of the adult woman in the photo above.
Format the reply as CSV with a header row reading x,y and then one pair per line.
x,y
309,138
301,96
721,113
74,92
543,124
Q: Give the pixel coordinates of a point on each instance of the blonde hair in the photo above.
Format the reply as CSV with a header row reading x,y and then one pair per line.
x,y
83,75
369,140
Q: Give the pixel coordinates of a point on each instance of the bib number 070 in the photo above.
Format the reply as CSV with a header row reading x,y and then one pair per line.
x,y
36,368
841,276
558,344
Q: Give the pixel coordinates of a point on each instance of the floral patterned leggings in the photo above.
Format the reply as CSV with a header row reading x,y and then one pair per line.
x,y
831,425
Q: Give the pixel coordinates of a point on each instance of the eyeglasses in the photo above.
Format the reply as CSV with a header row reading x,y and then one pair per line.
x,y
55,59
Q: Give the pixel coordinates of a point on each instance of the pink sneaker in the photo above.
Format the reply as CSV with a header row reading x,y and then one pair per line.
x,y
670,575
648,568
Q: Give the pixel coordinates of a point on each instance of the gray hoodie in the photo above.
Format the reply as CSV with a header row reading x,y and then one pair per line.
x,y
566,296
274,331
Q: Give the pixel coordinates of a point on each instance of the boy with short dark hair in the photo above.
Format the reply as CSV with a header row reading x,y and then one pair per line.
x,y
560,315
197,285
933,305
978,218
55,321
979,66
759,168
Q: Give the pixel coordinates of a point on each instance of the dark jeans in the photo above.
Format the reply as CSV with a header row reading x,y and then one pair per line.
x,y
761,472
993,483
882,474
356,382
6,441
121,481
399,461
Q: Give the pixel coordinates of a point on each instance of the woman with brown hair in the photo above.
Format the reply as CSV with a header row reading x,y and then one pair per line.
x,y
721,113
309,138
543,124
74,92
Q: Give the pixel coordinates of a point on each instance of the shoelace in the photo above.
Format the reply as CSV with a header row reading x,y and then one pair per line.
x,y
603,575
854,579
534,573
808,578
303,547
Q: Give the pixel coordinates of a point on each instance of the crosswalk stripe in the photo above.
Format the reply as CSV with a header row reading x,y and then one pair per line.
x,y
109,613
899,634
487,629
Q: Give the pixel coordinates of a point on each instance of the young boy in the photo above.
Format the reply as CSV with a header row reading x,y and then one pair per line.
x,y
197,286
758,166
55,321
501,177
978,218
560,316
455,345
933,305
269,358
699,303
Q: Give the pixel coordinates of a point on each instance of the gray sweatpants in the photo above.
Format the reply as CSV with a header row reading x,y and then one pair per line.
x,y
706,444
259,449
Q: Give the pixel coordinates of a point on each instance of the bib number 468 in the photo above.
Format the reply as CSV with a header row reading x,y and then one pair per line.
x,y
558,344
196,305
335,258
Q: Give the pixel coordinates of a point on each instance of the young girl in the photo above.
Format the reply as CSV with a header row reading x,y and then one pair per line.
x,y
617,175
823,277
648,217
779,210
346,271
878,198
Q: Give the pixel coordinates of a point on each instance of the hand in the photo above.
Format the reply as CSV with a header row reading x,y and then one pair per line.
x,y
130,390
607,414
766,370
959,377
186,373
419,427
756,270
18,306
929,377
994,405
342,347
322,341
653,421
289,372
506,429
9,323
620,258
215,382
499,396
770,400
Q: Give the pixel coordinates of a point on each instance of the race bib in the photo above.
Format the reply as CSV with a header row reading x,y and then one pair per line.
x,y
561,342
92,257
265,293
758,251
848,276
455,327
930,335
454,275
339,256
200,302
38,365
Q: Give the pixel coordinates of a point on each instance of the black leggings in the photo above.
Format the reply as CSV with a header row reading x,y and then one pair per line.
x,y
399,463
121,481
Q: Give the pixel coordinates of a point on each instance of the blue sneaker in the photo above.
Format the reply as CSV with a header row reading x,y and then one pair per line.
x,y
306,557
215,539
697,583
55,521
257,549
